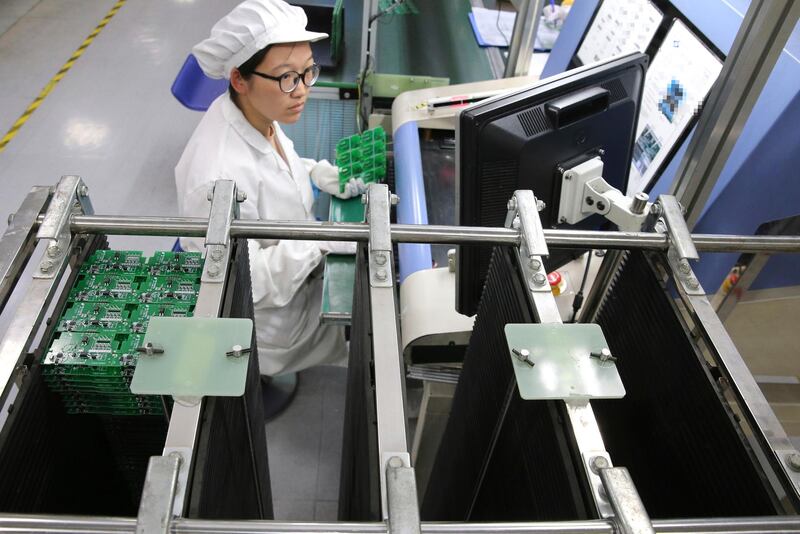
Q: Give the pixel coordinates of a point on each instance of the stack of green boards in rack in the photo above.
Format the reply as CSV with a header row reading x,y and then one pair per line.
x,y
362,156
92,356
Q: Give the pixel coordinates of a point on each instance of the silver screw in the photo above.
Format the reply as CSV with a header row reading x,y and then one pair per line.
x,y
11,218
216,254
535,264
381,274
684,267
46,266
241,196
213,270
540,205
83,190
53,250
793,460
539,279
693,283
395,462
380,258
176,455
568,176
210,194
655,209
523,355
512,204
597,463
394,199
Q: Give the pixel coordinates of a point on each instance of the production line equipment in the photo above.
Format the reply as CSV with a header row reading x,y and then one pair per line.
x,y
576,439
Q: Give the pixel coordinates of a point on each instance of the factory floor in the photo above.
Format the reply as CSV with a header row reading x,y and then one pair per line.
x,y
112,120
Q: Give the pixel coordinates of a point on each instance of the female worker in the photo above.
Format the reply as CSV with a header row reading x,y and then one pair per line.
x,y
262,47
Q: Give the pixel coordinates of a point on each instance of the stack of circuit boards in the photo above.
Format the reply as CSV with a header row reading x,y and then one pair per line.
x,y
93,353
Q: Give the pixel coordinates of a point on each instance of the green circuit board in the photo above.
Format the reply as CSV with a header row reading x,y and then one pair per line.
x,y
92,355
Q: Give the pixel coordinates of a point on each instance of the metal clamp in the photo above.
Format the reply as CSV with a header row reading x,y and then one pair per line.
x,y
380,238
402,499
682,247
629,511
523,214
155,507
223,210
69,191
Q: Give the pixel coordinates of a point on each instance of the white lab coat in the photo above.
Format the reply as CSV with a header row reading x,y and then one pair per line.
x,y
286,274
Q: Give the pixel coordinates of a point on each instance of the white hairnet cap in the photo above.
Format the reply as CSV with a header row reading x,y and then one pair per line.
x,y
250,27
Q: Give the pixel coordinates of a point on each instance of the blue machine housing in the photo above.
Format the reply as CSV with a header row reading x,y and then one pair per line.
x,y
760,180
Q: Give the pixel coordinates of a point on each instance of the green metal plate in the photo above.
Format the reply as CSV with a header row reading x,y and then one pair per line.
x,y
563,365
194,361
340,271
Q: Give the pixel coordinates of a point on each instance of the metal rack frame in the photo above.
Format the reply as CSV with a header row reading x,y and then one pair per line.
x,y
56,215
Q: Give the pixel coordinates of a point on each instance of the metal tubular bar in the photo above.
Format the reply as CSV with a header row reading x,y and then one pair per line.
x,y
765,424
409,233
184,425
19,240
390,395
520,48
761,37
74,524
582,420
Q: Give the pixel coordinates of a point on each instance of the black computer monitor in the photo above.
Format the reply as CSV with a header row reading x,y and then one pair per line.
x,y
526,138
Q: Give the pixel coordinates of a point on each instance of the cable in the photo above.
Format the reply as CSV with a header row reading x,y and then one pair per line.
x,y
361,114
577,302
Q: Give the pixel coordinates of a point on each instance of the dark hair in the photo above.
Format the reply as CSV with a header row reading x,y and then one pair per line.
x,y
247,68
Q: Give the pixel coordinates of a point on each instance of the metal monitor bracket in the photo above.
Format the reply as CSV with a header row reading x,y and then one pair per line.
x,y
584,192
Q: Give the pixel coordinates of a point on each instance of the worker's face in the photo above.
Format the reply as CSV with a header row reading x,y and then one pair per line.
x,y
265,96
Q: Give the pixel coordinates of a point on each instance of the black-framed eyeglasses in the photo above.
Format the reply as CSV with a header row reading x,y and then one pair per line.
x,y
288,81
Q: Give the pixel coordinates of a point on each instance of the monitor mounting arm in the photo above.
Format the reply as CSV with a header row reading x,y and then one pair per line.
x,y
584,192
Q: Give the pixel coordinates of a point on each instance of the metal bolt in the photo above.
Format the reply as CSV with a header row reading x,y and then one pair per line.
x,y
597,463
176,455
692,282
512,204
515,224
150,349
237,351
523,355
53,250
535,264
599,253
381,274
539,279
684,267
562,219
793,460
83,190
601,206
395,462
241,196
46,266
639,202
213,270
540,205
11,218
394,199
380,258
589,201
655,209
604,355
210,194
216,254
568,176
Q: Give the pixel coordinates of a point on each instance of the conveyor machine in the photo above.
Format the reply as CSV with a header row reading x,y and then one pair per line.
x,y
573,464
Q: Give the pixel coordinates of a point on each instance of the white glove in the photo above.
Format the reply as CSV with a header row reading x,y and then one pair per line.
x,y
326,178
354,188
338,247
